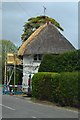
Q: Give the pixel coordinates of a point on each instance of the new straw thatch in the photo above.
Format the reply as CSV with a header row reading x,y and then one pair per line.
x,y
46,39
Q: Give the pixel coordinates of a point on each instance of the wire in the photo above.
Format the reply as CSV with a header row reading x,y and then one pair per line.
x,y
20,5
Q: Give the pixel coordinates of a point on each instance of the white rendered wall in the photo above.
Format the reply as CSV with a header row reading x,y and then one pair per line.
x,y
29,67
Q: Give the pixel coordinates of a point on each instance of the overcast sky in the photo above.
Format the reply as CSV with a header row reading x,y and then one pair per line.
x,y
15,14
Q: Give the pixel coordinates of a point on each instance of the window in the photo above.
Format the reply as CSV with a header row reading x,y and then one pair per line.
x,y
37,57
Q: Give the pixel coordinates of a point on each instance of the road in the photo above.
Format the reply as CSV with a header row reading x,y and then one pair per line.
x,y
0,102
15,107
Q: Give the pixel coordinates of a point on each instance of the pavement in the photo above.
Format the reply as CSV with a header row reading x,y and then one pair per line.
x,y
23,107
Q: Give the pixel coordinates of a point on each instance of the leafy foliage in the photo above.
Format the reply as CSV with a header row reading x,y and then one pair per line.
x,y
35,22
42,86
10,47
69,61
61,88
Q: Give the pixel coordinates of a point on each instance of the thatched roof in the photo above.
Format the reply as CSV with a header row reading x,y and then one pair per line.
x,y
46,39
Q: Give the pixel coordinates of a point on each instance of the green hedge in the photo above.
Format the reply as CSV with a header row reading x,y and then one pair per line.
x,y
42,86
67,62
60,88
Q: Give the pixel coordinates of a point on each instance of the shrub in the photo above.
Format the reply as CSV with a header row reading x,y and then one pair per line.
x,y
67,62
67,90
60,88
42,86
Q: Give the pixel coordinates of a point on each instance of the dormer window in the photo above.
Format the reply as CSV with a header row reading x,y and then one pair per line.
x,y
37,57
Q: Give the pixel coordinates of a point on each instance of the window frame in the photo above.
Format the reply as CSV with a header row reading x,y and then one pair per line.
x,y
37,57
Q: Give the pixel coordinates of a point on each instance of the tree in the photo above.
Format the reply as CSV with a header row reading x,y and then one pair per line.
x,y
9,47
35,22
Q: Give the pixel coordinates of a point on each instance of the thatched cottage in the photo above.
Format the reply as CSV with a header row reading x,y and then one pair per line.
x,y
46,39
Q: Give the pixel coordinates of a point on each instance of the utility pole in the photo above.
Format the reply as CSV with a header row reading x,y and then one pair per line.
x,y
44,10
5,68
14,70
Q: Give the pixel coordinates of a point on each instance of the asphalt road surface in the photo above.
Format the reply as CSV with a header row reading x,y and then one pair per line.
x,y
0,102
14,107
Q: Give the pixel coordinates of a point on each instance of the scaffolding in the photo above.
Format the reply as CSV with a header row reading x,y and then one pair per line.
x,y
11,61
